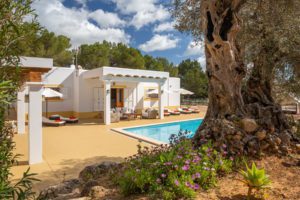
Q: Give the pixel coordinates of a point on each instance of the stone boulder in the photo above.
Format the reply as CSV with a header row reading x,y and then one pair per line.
x,y
261,135
87,187
98,192
65,190
94,172
249,125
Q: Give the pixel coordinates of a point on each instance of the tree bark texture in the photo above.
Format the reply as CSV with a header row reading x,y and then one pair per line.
x,y
229,121
225,69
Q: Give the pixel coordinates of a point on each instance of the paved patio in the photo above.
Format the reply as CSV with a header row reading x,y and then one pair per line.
x,y
68,149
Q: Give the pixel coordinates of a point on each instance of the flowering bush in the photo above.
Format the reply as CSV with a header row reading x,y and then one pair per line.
x,y
172,171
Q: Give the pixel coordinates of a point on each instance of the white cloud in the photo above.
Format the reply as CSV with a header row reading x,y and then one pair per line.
x,y
202,61
159,43
164,27
74,23
144,11
194,49
106,19
134,6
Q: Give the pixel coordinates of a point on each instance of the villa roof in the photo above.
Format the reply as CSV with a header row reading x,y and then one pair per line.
x,y
107,72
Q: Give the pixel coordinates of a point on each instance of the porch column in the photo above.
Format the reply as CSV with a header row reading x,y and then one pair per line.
x,y
21,111
161,96
35,145
107,100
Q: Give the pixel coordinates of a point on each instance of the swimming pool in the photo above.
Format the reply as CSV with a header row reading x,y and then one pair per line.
x,y
162,132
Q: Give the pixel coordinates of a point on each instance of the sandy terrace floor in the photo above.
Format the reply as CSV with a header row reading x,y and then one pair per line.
x,y
68,149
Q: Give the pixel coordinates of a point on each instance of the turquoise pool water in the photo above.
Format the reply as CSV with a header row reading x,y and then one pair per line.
x,y
162,132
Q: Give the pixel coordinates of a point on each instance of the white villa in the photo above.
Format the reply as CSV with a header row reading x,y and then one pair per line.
x,y
88,94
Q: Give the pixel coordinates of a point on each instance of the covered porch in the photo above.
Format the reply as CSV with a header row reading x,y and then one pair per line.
x,y
111,96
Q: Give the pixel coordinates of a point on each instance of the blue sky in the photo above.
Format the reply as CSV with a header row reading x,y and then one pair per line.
x,y
144,24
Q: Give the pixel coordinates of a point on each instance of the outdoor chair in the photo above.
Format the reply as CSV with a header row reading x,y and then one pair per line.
x,y
66,119
184,111
172,112
49,122
115,116
149,114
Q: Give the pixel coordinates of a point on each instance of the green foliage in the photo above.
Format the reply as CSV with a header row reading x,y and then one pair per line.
x,y
42,43
255,178
127,57
193,78
109,54
172,172
12,31
95,55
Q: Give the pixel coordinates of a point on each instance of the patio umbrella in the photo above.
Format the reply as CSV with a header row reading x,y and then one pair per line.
x,y
155,91
183,91
50,93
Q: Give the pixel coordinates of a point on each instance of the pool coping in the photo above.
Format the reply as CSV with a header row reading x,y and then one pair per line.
x,y
144,138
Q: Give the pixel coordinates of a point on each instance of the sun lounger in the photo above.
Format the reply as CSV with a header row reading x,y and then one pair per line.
x,y
49,122
66,119
184,111
192,109
166,113
172,112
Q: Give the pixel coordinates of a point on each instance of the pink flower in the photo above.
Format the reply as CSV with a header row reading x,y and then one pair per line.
x,y
185,167
196,186
158,180
163,175
176,182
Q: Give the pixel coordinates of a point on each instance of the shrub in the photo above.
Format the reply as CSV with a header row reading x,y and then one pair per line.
x,y
172,171
255,178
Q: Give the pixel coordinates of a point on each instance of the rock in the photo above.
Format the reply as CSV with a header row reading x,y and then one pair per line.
x,y
93,172
249,125
237,137
65,190
87,187
277,140
285,149
264,146
261,134
285,138
98,192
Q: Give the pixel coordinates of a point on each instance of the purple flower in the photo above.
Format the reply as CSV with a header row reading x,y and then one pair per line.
x,y
179,157
167,163
185,167
196,186
188,184
224,146
187,162
176,182
163,175
196,159
197,175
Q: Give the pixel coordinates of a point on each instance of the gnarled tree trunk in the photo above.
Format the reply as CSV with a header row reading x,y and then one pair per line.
x,y
225,70
261,106
245,127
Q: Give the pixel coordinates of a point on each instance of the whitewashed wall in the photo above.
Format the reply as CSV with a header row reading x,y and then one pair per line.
x,y
83,98
173,97
64,77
